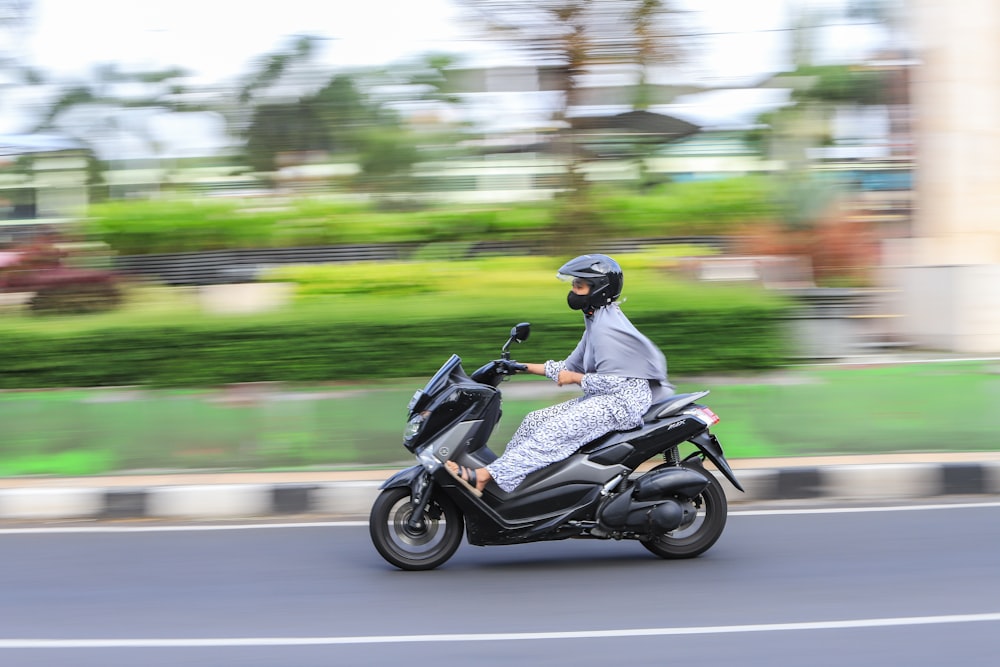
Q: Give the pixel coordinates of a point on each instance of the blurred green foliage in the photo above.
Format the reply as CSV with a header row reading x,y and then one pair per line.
x,y
841,83
694,208
380,320
160,226
530,276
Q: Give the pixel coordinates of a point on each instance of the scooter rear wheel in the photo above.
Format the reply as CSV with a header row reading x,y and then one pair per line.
x,y
411,548
696,538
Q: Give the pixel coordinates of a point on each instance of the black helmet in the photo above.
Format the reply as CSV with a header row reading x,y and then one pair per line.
x,y
603,273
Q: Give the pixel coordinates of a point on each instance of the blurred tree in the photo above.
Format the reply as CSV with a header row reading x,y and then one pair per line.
x,y
113,88
382,119
568,39
387,156
270,82
654,44
422,92
813,221
270,68
788,134
339,119
289,117
419,110
840,84
428,79
116,107
283,129
344,111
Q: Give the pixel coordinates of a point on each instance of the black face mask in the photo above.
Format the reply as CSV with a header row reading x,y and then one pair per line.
x,y
577,301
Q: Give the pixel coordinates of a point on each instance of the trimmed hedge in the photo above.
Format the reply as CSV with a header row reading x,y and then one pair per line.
x,y
300,348
387,320
161,226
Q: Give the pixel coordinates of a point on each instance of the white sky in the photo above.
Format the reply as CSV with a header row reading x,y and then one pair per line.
x,y
220,38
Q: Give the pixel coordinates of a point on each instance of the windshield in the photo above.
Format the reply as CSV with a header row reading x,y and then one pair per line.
x,y
440,379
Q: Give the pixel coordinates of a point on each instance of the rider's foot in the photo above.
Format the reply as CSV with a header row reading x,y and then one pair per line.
x,y
475,478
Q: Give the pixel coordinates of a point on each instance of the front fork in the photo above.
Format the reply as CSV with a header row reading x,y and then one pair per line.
x,y
418,480
420,491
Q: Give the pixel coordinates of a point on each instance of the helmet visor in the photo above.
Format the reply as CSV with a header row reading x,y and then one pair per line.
x,y
577,281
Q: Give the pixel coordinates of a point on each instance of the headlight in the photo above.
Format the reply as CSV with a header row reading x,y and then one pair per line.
x,y
427,460
414,425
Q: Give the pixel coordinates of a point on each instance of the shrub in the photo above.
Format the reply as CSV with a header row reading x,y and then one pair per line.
x,y
310,348
145,227
385,320
712,207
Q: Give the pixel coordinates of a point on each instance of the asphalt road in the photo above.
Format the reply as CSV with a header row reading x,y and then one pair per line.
x,y
898,586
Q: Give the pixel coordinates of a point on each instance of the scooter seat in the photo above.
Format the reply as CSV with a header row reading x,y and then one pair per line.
x,y
670,406
656,412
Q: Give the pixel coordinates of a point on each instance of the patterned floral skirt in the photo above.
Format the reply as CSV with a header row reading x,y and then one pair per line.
x,y
554,433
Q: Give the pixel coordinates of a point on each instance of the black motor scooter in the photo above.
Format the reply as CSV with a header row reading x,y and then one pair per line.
x,y
676,509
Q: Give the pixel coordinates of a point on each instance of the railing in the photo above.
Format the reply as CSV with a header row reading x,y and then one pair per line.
x,y
233,266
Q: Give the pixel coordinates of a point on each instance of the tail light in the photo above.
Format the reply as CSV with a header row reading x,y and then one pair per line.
x,y
704,415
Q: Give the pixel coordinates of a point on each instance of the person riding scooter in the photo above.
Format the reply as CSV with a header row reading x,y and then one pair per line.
x,y
619,369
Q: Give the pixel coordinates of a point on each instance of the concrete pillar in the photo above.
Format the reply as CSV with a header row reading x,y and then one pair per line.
x,y
949,273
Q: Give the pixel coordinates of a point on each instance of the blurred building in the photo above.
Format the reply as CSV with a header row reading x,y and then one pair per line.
x,y
510,150
43,178
948,274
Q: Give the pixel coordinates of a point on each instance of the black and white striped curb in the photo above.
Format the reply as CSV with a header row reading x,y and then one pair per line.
x,y
354,498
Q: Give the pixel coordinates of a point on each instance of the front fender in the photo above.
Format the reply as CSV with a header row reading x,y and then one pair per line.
x,y
411,477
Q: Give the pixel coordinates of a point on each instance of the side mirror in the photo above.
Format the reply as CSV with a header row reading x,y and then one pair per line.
x,y
520,334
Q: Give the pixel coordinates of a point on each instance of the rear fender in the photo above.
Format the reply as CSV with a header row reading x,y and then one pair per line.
x,y
712,449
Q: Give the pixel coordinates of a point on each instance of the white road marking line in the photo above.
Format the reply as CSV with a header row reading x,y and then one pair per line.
x,y
176,528
206,642
874,361
357,524
852,510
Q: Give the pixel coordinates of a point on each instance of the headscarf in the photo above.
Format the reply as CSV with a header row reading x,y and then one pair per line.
x,y
611,345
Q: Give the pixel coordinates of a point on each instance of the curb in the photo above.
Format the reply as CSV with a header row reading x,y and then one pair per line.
x,y
873,481
353,499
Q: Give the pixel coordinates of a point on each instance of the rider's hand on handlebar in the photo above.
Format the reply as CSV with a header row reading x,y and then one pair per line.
x,y
508,366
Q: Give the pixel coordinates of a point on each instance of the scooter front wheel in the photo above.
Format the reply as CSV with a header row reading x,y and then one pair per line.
x,y
415,548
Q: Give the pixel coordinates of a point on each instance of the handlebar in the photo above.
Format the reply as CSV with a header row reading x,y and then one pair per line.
x,y
509,366
496,371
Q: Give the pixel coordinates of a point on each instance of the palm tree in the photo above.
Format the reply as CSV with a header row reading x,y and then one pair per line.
x,y
568,40
113,112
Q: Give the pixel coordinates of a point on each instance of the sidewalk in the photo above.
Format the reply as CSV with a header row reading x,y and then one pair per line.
x,y
349,494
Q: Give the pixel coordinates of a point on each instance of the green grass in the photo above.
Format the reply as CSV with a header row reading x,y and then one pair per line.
x,y
799,411
412,291
895,408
